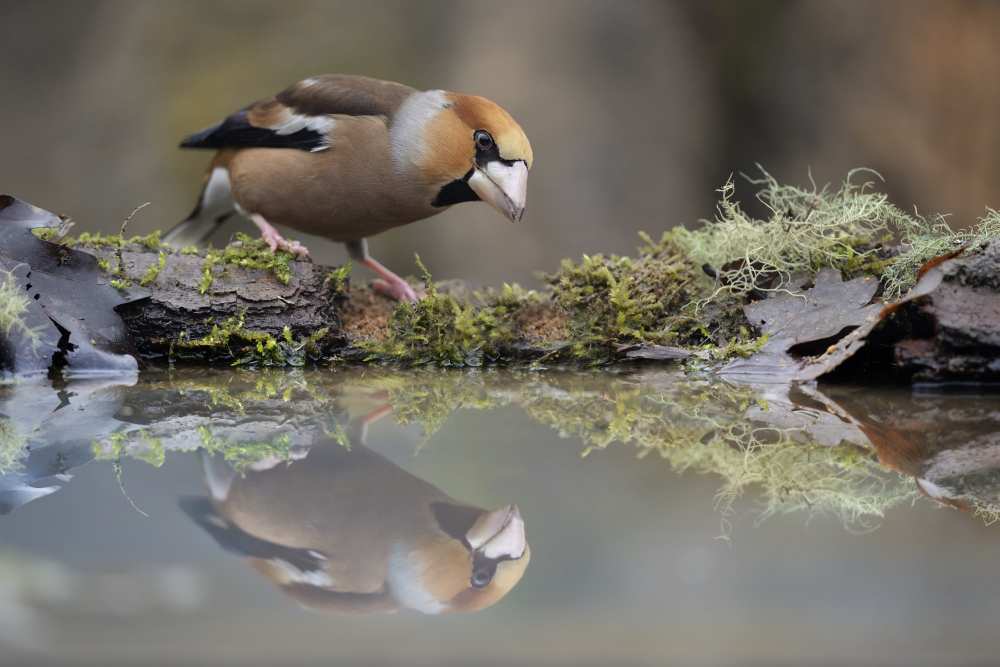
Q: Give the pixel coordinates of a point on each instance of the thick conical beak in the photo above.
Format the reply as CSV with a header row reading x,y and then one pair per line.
x,y
503,186
499,533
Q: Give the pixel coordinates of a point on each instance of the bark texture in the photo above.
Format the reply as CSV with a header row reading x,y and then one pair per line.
x,y
179,306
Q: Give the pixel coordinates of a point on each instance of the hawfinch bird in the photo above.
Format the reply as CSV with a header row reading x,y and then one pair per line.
x,y
347,157
349,531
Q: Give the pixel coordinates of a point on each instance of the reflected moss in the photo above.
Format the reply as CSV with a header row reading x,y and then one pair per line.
x,y
707,428
796,452
243,454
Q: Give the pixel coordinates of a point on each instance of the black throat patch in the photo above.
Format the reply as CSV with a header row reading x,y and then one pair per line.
x,y
456,192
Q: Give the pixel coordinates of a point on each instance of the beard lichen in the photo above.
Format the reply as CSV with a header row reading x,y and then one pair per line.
x,y
13,446
14,304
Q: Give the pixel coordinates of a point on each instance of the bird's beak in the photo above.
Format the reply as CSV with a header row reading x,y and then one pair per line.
x,y
499,533
502,186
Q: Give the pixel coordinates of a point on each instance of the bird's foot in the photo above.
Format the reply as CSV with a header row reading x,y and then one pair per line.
x,y
275,241
397,289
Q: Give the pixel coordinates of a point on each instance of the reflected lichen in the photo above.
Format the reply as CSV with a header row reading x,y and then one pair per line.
x,y
794,450
13,446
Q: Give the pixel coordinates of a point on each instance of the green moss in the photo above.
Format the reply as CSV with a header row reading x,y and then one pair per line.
x,y
189,250
98,240
618,300
242,455
149,277
246,347
137,444
207,273
51,234
706,428
438,329
338,278
248,253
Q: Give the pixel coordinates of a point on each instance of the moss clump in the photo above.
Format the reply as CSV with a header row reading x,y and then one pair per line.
x,y
242,455
248,253
438,329
139,445
707,428
149,277
338,278
618,300
246,347
50,234
115,241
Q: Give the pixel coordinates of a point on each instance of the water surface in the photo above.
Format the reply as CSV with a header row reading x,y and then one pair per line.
x,y
256,518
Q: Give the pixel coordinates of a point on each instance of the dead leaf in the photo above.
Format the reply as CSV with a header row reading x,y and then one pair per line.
x,y
70,303
801,327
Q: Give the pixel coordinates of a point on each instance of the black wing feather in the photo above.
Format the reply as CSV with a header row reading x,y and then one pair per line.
x,y
236,130
233,539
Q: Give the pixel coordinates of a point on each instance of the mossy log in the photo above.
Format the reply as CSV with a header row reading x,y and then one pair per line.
x,y
690,295
207,310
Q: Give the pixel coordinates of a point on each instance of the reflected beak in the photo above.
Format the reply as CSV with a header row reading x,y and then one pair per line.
x,y
502,186
499,533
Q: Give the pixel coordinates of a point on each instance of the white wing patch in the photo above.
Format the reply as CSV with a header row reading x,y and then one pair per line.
x,y
289,574
292,122
217,198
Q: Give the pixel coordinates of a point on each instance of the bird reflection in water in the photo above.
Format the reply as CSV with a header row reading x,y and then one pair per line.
x,y
346,530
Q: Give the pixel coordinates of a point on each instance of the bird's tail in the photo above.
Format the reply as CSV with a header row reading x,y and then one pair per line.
x,y
215,205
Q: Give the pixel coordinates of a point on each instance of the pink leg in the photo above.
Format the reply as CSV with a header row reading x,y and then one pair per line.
x,y
275,240
389,283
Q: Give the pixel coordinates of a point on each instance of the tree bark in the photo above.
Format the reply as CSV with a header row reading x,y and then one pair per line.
x,y
178,307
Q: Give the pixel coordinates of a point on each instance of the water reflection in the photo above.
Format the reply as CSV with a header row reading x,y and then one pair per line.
x,y
837,450
344,529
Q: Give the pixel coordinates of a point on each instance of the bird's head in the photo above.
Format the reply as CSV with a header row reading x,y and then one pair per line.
x,y
482,557
475,151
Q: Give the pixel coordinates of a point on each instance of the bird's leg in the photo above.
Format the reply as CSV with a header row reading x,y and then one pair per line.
x,y
388,282
275,240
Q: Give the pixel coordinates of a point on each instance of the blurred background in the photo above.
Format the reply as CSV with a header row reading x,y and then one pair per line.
x,y
637,110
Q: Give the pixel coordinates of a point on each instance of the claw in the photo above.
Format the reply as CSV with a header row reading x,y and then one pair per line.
x,y
275,240
399,289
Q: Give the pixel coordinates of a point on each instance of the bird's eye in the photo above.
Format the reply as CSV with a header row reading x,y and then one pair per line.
x,y
481,578
484,141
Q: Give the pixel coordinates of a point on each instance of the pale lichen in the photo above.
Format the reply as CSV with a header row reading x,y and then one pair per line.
x,y
14,305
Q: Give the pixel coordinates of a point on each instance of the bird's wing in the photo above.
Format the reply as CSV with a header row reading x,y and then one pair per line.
x,y
302,115
307,564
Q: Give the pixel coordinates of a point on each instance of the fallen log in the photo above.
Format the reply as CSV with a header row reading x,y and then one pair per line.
x,y
96,303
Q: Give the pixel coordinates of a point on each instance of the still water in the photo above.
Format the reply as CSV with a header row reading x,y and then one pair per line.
x,y
425,518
